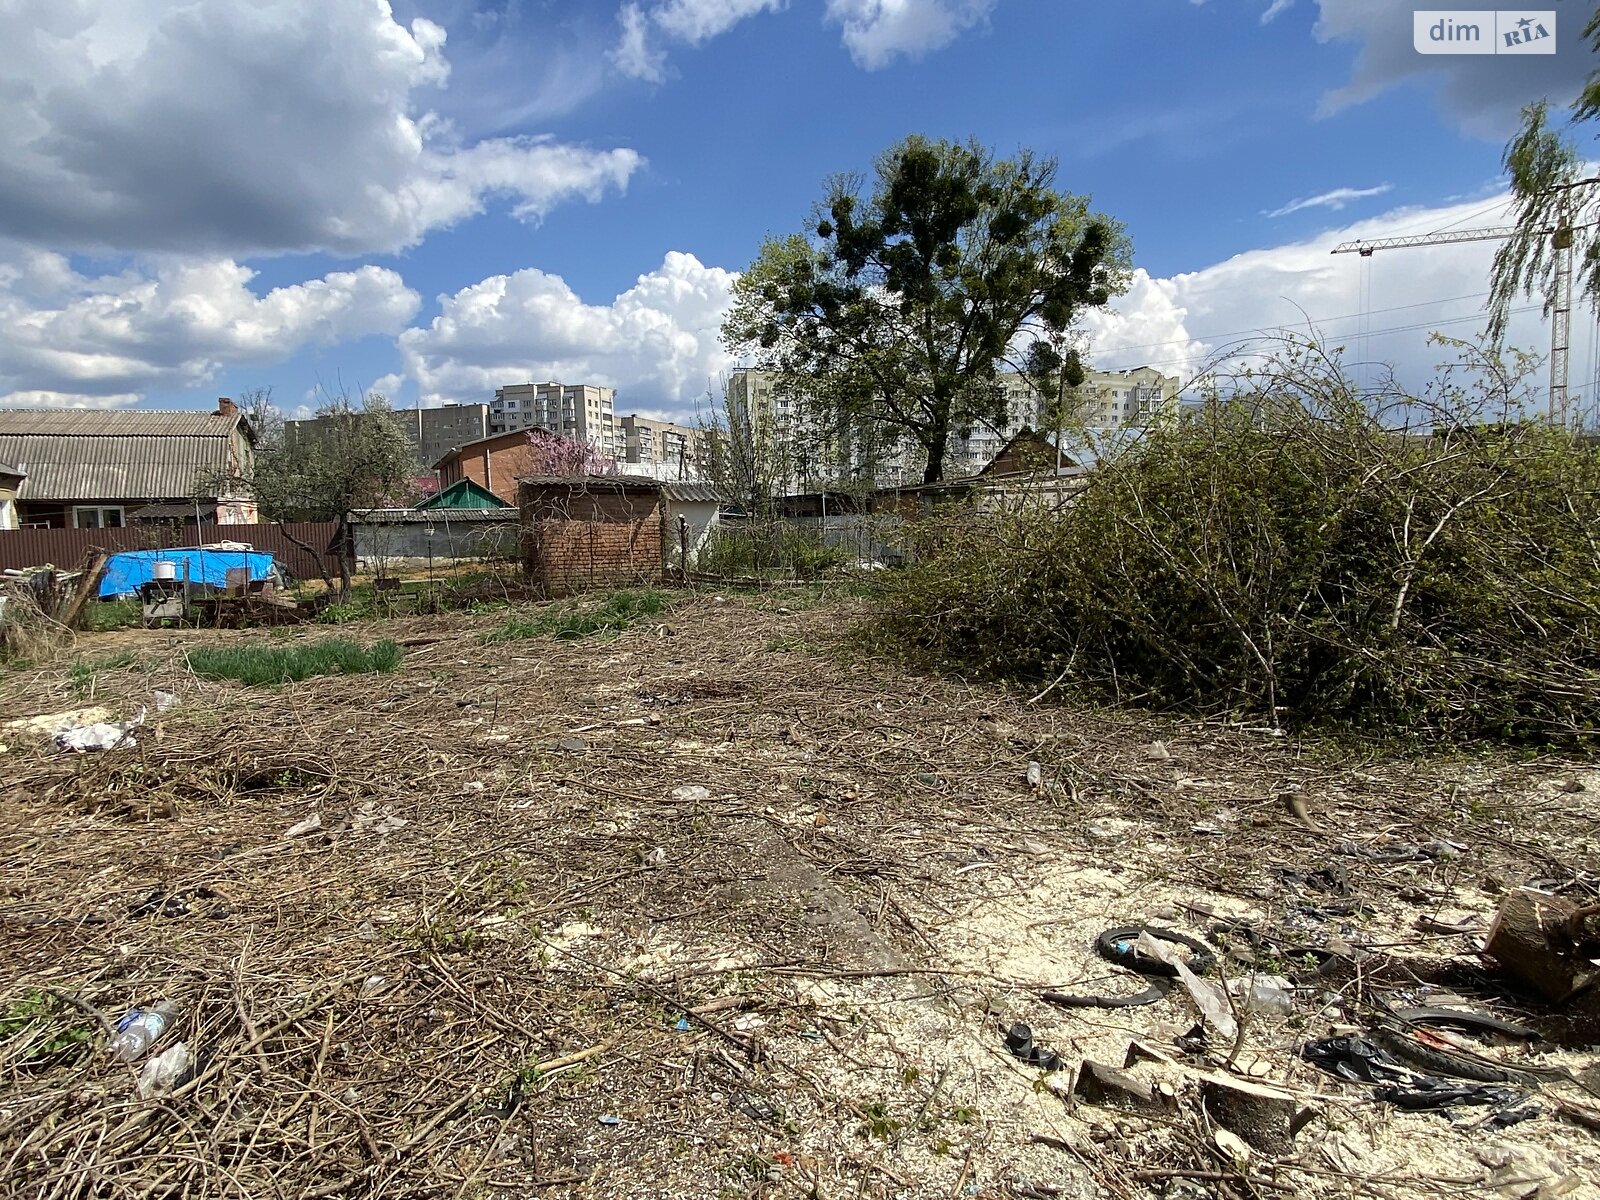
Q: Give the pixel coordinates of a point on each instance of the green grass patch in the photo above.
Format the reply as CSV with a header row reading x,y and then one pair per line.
x,y
85,670
102,616
259,664
34,1034
612,614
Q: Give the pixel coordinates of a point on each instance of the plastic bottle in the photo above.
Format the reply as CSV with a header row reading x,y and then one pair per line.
x,y
1267,994
140,1029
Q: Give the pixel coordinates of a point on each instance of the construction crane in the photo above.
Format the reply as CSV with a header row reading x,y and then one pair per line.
x,y
1560,299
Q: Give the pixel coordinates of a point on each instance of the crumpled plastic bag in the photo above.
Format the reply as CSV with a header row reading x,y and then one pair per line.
x,y
99,736
1208,997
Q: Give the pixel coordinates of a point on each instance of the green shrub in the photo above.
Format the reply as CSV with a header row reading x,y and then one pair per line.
x,y
612,614
1290,553
762,549
258,664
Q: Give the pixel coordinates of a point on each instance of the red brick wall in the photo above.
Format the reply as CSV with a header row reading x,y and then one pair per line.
x,y
493,465
573,539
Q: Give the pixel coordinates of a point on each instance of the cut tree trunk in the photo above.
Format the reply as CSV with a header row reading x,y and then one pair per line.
x,y
1535,940
88,585
1266,1117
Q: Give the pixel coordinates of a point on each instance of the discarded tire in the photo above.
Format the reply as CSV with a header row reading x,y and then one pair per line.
x,y
1118,945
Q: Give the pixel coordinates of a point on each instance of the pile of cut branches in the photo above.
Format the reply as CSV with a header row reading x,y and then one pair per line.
x,y
1304,550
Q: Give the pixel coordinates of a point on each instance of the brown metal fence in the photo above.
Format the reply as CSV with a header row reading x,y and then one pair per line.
x,y
66,548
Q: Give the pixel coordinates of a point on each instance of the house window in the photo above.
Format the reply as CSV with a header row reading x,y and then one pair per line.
x,y
96,518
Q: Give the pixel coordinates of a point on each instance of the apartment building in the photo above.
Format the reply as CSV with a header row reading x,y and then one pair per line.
x,y
432,432
810,454
803,453
1108,402
661,449
583,412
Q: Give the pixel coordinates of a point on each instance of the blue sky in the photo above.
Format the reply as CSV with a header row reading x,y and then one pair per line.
x,y
433,198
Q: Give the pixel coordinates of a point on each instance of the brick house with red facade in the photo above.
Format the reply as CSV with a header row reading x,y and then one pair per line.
x,y
493,463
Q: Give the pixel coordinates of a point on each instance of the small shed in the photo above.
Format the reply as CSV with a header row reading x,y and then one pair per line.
x,y
690,512
587,531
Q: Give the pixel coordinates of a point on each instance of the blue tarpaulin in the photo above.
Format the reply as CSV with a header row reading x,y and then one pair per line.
x,y
127,571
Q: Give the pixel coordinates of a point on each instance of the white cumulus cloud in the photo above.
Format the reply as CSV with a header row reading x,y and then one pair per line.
x,y
876,32
634,55
698,21
638,52
658,342
234,127
67,338
1381,310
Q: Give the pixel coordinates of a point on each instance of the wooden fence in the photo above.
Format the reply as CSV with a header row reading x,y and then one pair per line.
x,y
66,548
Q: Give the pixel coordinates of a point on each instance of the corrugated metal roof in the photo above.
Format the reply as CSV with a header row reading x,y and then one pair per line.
x,y
91,422
691,493
7,469
463,494
434,516
595,482
113,467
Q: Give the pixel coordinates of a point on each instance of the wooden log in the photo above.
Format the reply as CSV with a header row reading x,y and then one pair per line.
x,y
1100,1084
1533,940
88,585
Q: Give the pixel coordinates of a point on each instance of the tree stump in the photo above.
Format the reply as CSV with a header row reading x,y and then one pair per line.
x,y
1100,1084
1263,1116
1534,940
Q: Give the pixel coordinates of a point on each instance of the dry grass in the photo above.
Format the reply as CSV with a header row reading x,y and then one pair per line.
x,y
864,894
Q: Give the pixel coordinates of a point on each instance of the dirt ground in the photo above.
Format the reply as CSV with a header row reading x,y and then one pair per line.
x,y
723,907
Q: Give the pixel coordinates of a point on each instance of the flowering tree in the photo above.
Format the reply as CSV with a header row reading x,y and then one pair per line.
x,y
551,454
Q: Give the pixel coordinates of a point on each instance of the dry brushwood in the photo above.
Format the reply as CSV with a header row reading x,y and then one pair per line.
x,y
511,993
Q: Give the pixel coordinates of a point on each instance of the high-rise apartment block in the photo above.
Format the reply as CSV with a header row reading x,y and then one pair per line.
x,y
810,455
583,412
437,431
432,432
661,449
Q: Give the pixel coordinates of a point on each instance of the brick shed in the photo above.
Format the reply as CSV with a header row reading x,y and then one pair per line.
x,y
587,531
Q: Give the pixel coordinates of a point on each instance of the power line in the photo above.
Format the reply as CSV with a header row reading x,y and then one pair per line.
x,y
1216,337
1372,333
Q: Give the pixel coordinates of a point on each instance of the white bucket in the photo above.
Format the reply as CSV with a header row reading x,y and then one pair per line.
x,y
164,571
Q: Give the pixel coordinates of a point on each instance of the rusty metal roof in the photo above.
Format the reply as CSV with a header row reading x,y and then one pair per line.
x,y
92,455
